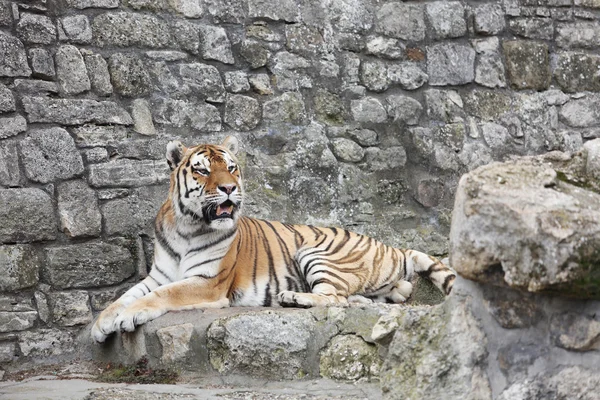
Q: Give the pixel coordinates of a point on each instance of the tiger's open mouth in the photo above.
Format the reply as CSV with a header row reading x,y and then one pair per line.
x,y
224,210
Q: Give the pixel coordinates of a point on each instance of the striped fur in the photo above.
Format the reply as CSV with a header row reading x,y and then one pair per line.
x,y
207,255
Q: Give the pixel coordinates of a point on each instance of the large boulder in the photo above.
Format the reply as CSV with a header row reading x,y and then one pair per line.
x,y
531,223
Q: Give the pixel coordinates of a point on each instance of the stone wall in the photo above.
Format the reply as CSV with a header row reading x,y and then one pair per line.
x,y
359,113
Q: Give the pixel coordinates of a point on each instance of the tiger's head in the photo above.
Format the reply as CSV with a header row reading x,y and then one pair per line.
x,y
206,183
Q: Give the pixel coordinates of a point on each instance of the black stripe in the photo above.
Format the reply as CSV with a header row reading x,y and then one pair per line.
x,y
336,276
447,281
160,238
327,281
219,240
267,246
202,263
267,300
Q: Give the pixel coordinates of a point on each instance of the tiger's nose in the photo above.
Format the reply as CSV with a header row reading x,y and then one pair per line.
x,y
227,188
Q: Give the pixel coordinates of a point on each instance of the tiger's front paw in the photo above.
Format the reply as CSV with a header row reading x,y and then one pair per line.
x,y
288,298
105,324
135,316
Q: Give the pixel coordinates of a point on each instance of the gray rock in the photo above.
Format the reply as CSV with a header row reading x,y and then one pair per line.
x,y
99,135
592,153
388,48
228,11
41,62
77,28
27,216
402,21
215,45
575,332
142,149
128,75
387,159
20,265
187,35
518,212
204,80
89,264
189,8
236,82
533,28
364,137
578,34
13,60
354,16
242,112
98,73
134,213
44,343
496,136
182,113
17,321
368,109
488,19
11,126
70,71
78,209
348,357
6,17
254,53
489,69
511,308
447,19
289,107
81,4
10,175
581,113
488,105
450,64
263,32
403,109
8,352
408,75
142,117
125,29
128,173
373,74
261,84
444,105
50,154
577,72
175,342
303,39
166,55
94,155
285,10
36,29
36,87
329,108
346,150
74,111
70,308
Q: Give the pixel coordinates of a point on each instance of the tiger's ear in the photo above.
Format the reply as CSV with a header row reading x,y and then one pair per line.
x,y
175,153
231,143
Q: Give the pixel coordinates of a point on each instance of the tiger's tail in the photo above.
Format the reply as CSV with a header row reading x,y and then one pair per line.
x,y
431,268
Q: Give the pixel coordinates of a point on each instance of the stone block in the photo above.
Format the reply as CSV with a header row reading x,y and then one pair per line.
x,y
10,174
187,36
242,112
128,173
488,105
11,126
214,44
45,343
408,75
379,46
204,80
577,72
78,209
175,342
50,154
8,352
70,308
385,160
374,75
89,264
450,64
592,163
94,155
42,63
188,8
576,332
528,64
402,21
276,10
134,213
289,107
303,39
128,75
77,28
74,111
368,109
20,266
447,19
489,69
99,135
329,107
124,29
261,84
7,100
27,215
35,87
254,53
364,137
533,28
36,29
512,309
444,105
70,71
488,19
17,321
348,357
6,16
581,113
228,11
13,59
236,82
182,113
97,69
82,4
404,109
354,16
142,117
579,34
347,150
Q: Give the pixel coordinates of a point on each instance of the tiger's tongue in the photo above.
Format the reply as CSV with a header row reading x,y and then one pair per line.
x,y
224,209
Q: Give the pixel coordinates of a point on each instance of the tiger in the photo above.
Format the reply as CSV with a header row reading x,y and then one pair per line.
x,y
208,255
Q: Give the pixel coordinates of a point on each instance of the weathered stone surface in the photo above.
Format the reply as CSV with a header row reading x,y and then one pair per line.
x,y
582,112
35,87
512,309
373,74
215,45
187,35
487,104
354,16
43,343
408,75
204,80
70,308
532,28
128,75
364,137
81,4
17,321
6,17
11,126
402,21
10,175
13,60
450,64
42,63
403,109
285,10
387,159
99,76
261,84
19,265
303,39
592,165
229,11
7,352
489,69
488,19
94,135
27,215
7,100
575,332
447,19
527,64
242,112
385,47
135,212
77,28
125,29
74,111
36,29
348,357
579,34
444,105
128,173
189,8
520,223
289,107
329,107
181,113
70,71
175,341
347,150
89,264
142,117
236,82
368,109
78,209
577,72
254,53
50,154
